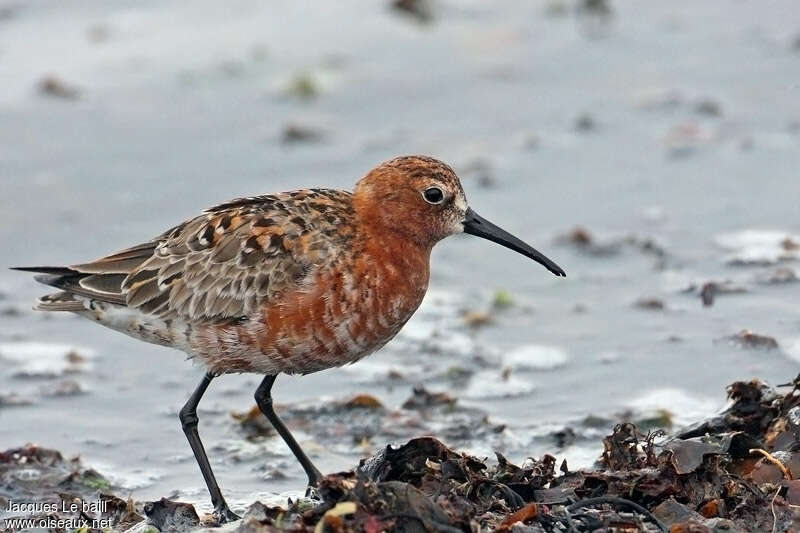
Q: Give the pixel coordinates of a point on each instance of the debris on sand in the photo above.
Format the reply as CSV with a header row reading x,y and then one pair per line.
x,y
58,88
585,122
420,11
597,7
594,17
650,304
707,293
253,424
583,239
502,299
303,87
476,319
364,400
749,340
68,387
759,247
709,290
14,400
778,276
735,472
43,360
365,420
708,107
686,138
294,133
167,515
45,480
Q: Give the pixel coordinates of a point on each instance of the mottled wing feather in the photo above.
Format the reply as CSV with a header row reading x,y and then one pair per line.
x,y
121,262
104,287
225,263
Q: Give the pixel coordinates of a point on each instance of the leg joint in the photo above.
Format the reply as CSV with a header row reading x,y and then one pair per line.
x,y
188,417
263,394
264,401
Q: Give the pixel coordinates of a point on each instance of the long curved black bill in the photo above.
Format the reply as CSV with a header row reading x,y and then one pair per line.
x,y
474,224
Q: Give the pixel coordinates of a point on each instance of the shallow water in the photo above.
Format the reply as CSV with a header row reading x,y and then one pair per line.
x,y
676,124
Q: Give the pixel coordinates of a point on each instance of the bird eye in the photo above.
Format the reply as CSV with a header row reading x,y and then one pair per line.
x,y
433,195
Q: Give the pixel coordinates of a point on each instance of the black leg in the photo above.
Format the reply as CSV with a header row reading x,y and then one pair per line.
x,y
264,400
188,416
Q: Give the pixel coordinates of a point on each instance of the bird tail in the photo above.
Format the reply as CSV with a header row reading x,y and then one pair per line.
x,y
55,277
54,271
60,301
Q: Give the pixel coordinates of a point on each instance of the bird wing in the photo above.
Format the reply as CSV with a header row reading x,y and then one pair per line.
x,y
224,264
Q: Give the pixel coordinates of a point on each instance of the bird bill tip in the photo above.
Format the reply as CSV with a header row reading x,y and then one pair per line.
x,y
475,224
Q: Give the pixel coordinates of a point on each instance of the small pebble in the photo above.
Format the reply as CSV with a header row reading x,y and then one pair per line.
x,y
296,133
55,87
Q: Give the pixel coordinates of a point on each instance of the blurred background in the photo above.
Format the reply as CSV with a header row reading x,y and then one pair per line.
x,y
650,148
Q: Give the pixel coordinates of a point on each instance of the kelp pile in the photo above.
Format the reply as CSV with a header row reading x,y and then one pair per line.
x,y
735,472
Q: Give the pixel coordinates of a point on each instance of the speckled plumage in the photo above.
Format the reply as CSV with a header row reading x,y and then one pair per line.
x,y
293,282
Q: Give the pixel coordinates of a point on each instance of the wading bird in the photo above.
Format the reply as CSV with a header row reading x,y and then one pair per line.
x,y
294,282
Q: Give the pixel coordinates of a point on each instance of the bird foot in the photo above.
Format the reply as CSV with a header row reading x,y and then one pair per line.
x,y
223,515
312,493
